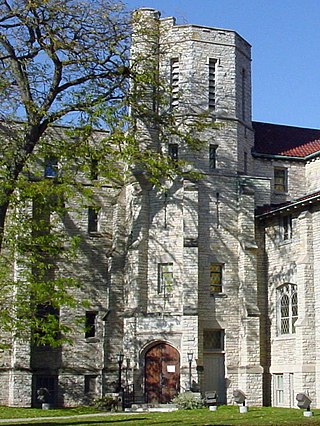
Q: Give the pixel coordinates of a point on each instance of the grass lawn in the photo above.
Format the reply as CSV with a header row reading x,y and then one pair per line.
x,y
203,417
14,413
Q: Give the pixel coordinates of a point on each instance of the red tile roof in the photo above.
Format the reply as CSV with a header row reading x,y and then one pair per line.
x,y
276,139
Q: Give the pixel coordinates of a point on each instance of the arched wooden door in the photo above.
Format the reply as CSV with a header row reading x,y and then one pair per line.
x,y
162,373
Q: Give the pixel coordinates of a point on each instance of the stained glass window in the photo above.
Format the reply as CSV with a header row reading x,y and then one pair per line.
x,y
215,278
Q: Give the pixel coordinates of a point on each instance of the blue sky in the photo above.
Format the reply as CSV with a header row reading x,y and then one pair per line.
x,y
285,39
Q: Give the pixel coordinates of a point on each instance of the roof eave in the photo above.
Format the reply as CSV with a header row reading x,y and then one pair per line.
x,y
286,157
291,206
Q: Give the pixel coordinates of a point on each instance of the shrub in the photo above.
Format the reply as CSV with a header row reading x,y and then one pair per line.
x,y
106,403
188,401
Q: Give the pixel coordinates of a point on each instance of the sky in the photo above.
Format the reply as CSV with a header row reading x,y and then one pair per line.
x,y
285,40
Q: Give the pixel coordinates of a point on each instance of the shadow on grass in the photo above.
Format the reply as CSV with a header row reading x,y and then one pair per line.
x,y
134,420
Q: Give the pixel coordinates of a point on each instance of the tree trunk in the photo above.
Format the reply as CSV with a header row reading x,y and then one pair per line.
x,y
3,214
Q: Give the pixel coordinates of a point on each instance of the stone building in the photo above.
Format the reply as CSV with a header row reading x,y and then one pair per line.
x,y
211,284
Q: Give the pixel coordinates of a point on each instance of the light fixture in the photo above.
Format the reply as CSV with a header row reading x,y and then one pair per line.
x,y
190,356
120,357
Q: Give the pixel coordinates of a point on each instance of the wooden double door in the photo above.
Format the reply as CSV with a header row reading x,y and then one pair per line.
x,y
162,373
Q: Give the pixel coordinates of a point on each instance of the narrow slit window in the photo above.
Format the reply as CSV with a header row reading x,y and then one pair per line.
x,y
51,167
93,219
212,157
174,82
90,324
215,278
165,278
212,84
286,227
173,151
94,169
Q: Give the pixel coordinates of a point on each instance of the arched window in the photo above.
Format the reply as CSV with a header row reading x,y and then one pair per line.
x,y
287,308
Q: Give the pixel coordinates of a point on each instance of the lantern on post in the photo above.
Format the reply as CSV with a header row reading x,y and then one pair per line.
x,y
120,358
190,358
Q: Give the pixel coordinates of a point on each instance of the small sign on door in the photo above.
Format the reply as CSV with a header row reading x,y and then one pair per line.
x,y
171,368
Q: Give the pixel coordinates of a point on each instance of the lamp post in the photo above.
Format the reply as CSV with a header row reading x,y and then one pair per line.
x,y
120,358
127,370
190,358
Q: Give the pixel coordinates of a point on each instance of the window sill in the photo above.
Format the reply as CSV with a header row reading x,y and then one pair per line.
x,y
285,242
219,295
280,192
286,336
92,340
95,234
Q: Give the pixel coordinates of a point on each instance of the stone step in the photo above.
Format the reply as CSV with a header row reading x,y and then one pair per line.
x,y
152,408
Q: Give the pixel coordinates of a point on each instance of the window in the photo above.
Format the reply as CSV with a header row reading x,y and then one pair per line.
x,y
51,167
213,340
165,277
215,278
278,389
46,325
173,151
94,169
90,384
212,157
174,82
93,219
287,308
90,325
286,227
280,179
212,84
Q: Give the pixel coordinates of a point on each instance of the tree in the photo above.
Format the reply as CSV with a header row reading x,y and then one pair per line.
x,y
58,60
67,62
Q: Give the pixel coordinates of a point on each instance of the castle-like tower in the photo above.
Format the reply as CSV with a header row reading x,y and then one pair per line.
x,y
190,282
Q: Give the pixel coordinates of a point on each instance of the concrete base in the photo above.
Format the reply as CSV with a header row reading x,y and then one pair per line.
x,y
213,408
46,406
308,413
243,409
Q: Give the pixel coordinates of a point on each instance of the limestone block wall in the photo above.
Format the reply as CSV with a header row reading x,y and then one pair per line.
x,y
316,282
312,168
293,354
166,246
17,379
227,239
296,181
85,356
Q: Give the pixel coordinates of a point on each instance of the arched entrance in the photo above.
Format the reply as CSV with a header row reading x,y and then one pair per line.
x,y
162,373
